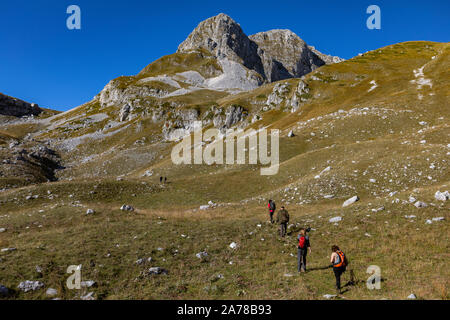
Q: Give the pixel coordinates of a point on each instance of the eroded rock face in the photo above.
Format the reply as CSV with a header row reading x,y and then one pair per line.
x,y
285,55
224,38
181,124
10,106
232,115
114,94
274,55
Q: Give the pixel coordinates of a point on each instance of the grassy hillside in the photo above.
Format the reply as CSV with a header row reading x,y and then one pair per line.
x,y
376,126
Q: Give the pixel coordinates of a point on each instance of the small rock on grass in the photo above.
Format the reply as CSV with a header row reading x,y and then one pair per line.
x,y
51,292
157,270
126,207
420,204
28,285
88,284
89,296
350,201
442,196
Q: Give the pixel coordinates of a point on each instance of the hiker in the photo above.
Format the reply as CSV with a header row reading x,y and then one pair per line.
x,y
272,208
339,263
160,179
302,249
283,219
165,179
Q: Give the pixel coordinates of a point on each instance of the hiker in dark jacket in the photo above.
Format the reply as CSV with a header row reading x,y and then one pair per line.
x,y
283,219
272,208
302,249
339,263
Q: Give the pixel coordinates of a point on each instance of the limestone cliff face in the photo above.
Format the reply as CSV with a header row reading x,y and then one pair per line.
x,y
285,55
274,55
224,38
10,106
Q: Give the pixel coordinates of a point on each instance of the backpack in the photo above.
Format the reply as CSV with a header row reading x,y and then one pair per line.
x,y
302,242
272,206
343,262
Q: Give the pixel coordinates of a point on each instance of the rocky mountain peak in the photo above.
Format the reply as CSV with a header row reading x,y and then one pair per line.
x,y
274,55
225,39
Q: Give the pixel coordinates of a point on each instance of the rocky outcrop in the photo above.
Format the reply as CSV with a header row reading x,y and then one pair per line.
x,y
325,57
282,98
285,55
37,163
181,123
224,38
274,55
10,106
232,115
115,94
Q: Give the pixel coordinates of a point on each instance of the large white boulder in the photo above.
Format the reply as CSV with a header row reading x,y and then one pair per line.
x,y
350,201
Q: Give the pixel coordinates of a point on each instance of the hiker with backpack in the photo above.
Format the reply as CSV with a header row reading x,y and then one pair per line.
x,y
283,219
339,263
271,205
302,249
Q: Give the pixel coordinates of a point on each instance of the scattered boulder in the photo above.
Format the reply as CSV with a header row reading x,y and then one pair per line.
x,y
412,296
204,207
442,196
329,296
291,134
89,296
233,245
335,219
2,230
156,270
90,211
8,249
51,292
420,204
350,201
202,255
126,207
28,285
88,284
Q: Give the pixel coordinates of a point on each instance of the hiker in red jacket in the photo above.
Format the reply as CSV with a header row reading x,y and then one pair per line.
x,y
302,247
271,205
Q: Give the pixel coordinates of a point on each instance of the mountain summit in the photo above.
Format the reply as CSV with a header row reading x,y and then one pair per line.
x,y
274,55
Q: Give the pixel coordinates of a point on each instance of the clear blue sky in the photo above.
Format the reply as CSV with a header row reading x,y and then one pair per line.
x,y
42,61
